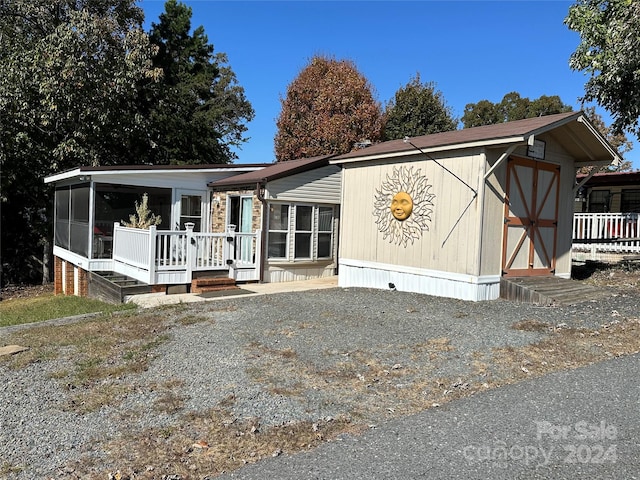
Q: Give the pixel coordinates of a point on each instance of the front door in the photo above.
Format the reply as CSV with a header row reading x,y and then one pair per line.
x,y
241,215
530,218
192,208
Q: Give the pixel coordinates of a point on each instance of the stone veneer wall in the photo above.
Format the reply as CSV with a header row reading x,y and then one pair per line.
x,y
219,212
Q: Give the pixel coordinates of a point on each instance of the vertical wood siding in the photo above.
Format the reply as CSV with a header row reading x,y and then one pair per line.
x,y
449,245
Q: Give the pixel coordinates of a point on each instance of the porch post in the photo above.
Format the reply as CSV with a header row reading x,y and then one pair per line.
x,y
230,250
153,234
257,264
191,250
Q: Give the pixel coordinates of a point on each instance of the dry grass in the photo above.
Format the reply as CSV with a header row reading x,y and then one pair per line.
x,y
568,348
96,355
216,442
99,359
211,443
371,390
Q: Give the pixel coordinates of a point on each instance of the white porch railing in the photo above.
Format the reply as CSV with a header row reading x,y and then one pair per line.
x,y
170,257
606,232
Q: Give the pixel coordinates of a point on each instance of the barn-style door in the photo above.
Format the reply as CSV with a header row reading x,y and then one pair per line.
x,y
530,218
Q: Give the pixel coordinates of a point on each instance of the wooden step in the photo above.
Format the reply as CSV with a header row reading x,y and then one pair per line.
x,y
549,290
212,284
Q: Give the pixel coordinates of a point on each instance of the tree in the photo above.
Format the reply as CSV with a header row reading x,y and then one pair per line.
x,y
328,108
609,53
511,107
618,141
417,109
514,107
143,218
70,70
198,112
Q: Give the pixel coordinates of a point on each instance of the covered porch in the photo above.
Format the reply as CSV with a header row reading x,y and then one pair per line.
x,y
93,203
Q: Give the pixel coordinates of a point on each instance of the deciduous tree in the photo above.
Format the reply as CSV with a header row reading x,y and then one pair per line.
x,y
511,107
70,71
609,53
417,109
328,108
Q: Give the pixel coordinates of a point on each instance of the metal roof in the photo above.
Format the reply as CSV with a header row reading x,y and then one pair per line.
x,y
272,172
138,169
577,135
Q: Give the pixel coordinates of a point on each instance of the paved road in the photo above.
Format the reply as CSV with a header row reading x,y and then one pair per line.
x,y
580,424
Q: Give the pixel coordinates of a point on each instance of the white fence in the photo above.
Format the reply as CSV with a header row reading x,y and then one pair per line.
x,y
170,257
606,233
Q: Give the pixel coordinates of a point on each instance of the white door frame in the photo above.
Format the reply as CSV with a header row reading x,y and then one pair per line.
x,y
205,204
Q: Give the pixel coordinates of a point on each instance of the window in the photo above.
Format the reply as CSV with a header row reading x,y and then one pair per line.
x,y
630,202
304,222
191,211
115,203
308,227
72,218
325,231
278,231
599,201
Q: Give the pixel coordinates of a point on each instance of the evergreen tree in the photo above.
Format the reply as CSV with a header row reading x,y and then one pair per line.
x,y
417,109
328,108
198,111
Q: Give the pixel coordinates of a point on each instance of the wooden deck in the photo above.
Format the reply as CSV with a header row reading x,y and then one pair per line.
x,y
549,290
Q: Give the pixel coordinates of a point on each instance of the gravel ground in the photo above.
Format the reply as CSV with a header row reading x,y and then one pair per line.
x,y
240,348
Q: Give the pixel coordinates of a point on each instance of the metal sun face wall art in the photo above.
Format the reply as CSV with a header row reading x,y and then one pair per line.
x,y
403,206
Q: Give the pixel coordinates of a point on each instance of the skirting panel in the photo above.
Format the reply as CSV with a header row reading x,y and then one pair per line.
x,y
428,282
295,273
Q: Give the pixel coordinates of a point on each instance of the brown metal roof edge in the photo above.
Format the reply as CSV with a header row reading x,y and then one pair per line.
x,y
498,131
272,172
611,178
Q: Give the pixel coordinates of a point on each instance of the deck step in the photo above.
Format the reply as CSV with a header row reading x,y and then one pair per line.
x,y
212,284
112,287
549,290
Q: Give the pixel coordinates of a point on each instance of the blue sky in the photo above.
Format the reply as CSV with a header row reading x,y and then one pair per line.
x,y
472,50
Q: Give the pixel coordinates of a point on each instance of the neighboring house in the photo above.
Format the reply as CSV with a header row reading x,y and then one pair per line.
x,y
606,223
452,213
609,192
295,205
90,200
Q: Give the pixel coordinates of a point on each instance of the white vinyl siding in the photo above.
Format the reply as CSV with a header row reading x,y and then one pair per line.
x,y
321,185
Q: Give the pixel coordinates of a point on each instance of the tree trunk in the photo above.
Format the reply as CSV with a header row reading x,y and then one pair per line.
x,y
46,262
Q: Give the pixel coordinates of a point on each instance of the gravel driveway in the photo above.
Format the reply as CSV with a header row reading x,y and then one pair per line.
x,y
364,354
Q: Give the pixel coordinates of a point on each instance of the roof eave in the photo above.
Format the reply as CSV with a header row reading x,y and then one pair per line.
x,y
96,171
439,148
616,157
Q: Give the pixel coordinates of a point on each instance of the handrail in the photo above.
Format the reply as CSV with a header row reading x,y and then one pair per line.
x,y
148,255
613,232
